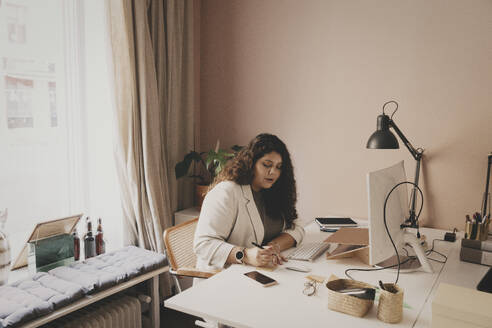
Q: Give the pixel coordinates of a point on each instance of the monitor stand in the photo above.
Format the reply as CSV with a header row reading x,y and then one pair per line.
x,y
420,263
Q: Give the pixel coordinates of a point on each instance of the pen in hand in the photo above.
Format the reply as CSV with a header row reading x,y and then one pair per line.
x,y
255,244
277,256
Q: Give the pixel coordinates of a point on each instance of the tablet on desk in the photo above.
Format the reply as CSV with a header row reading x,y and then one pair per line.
x,y
335,222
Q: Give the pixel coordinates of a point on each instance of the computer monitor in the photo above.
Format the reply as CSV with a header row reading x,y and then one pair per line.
x,y
381,251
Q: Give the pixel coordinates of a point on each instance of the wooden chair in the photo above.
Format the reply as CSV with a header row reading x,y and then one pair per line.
x,y
179,246
182,259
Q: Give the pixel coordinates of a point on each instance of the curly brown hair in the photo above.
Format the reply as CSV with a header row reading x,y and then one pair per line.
x,y
281,198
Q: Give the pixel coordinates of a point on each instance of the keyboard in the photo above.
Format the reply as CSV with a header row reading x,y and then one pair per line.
x,y
308,251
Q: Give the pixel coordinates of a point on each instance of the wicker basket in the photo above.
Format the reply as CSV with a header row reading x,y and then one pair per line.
x,y
346,303
390,308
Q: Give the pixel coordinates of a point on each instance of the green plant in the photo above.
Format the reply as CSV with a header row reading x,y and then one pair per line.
x,y
211,163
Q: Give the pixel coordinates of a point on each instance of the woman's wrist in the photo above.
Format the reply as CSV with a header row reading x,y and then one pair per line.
x,y
235,255
247,256
275,246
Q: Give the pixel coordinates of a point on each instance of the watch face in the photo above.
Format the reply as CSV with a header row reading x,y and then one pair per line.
x,y
239,255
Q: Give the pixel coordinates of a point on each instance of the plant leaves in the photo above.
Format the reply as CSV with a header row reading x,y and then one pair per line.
x,y
193,155
182,168
218,169
211,156
214,161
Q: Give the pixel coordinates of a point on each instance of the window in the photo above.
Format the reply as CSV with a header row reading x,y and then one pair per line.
x,y
16,26
55,117
18,96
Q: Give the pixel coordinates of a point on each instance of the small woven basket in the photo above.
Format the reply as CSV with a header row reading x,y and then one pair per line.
x,y
346,303
390,308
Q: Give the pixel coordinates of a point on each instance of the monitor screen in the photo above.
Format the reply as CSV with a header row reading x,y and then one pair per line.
x,y
379,184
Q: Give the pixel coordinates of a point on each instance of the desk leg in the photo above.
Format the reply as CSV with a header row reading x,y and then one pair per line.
x,y
154,307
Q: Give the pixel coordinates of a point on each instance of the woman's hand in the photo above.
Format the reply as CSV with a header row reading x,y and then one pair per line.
x,y
277,257
260,257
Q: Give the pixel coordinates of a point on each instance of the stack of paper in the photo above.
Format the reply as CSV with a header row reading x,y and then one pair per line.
x,y
476,251
458,307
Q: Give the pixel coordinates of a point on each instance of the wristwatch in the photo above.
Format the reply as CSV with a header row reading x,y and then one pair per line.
x,y
240,255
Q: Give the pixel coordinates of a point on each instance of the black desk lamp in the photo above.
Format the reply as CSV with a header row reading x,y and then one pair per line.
x,y
383,138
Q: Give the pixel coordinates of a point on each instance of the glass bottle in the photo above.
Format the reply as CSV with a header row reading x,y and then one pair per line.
x,y
76,245
89,241
100,244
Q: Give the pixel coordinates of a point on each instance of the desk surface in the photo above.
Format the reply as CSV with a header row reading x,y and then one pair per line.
x,y
457,273
231,298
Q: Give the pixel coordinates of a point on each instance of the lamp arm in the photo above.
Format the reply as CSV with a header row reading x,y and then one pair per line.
x,y
412,218
486,193
415,153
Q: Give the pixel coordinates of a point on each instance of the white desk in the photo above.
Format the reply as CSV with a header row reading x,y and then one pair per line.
x,y
457,273
233,299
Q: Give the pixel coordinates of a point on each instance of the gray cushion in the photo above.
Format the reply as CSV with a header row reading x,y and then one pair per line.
x,y
109,269
35,296
45,292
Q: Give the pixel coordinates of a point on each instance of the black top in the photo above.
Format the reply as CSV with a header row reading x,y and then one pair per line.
x,y
273,226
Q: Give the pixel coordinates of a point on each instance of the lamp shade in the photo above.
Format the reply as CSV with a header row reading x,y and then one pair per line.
x,y
383,138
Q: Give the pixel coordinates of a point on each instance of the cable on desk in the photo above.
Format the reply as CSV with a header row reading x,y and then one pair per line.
x,y
386,225
409,257
375,269
430,251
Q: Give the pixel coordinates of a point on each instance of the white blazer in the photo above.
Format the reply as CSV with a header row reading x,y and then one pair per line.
x,y
229,217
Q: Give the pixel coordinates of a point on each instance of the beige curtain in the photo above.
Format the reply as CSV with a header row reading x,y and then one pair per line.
x,y
152,50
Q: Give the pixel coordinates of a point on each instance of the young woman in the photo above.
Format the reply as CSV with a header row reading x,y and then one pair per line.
x,y
252,201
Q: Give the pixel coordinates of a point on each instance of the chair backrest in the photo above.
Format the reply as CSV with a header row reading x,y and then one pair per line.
x,y
179,244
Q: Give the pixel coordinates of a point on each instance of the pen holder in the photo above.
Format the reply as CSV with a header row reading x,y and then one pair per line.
x,y
390,307
346,303
468,230
478,234
483,231
477,231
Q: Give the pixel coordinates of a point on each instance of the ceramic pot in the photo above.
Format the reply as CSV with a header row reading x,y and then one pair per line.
x,y
200,192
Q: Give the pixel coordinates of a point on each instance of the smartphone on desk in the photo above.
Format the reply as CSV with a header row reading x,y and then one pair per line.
x,y
265,281
328,229
335,222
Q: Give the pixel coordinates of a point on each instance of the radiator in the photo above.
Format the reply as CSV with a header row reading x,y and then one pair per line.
x,y
119,311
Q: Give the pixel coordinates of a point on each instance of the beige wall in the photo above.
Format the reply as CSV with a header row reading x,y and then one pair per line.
x,y
316,73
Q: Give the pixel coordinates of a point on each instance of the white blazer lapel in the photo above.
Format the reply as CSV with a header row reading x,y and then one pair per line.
x,y
254,215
